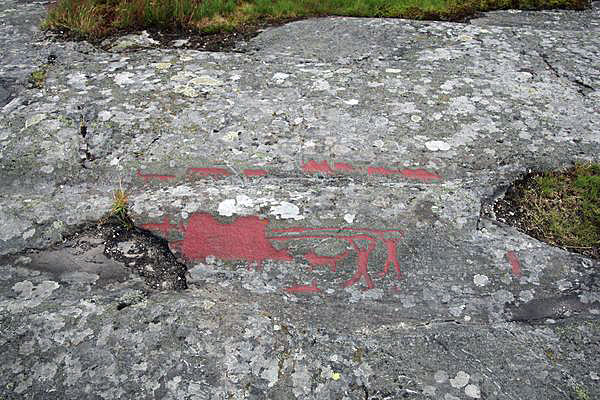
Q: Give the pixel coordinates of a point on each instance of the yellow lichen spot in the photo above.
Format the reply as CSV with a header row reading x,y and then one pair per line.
x,y
186,91
336,376
162,65
205,80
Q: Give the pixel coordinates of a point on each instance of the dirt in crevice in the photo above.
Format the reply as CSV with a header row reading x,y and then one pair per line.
x,y
144,253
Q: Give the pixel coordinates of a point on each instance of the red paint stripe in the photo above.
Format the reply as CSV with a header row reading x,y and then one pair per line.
x,y
342,166
208,171
312,288
420,174
515,264
313,166
255,172
147,177
382,171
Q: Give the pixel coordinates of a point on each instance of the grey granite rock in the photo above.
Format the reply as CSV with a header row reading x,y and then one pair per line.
x,y
323,189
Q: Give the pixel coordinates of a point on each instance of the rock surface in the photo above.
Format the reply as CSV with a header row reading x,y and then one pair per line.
x,y
326,189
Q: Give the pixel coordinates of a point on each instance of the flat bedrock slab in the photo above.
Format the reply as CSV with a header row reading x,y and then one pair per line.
x,y
324,188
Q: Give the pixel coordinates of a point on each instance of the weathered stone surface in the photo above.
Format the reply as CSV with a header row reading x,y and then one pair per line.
x,y
323,188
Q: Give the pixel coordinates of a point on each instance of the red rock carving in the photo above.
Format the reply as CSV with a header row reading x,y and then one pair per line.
x,y
316,260
392,257
216,172
370,236
312,288
243,239
255,172
246,239
148,177
362,267
515,264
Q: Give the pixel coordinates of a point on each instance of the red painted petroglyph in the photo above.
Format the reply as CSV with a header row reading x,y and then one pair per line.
x,y
149,177
362,267
245,239
392,257
331,262
214,172
369,236
515,264
255,172
312,288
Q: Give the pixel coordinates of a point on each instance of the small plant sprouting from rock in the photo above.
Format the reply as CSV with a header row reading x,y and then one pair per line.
x,y
38,77
120,208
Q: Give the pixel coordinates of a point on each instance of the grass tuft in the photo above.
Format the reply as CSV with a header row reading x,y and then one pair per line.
x,y
120,208
561,207
95,19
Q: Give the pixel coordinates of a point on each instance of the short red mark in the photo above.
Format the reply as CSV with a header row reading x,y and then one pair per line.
x,y
208,172
313,166
515,264
382,171
420,174
331,262
323,166
255,172
312,288
342,166
148,177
